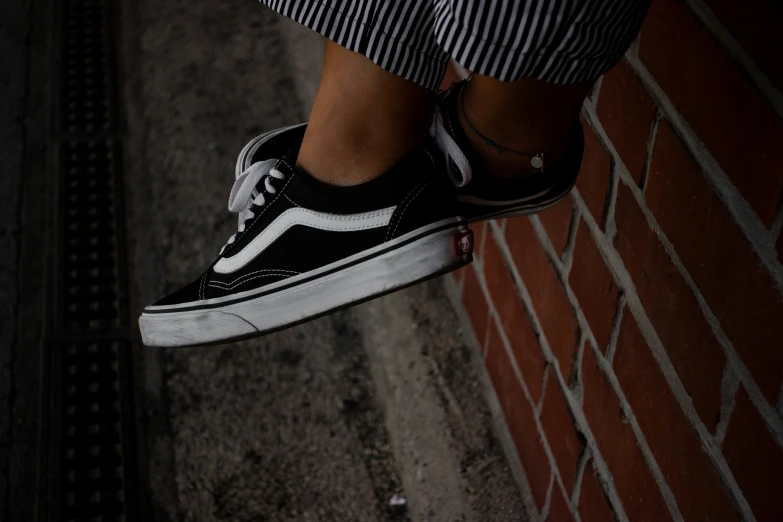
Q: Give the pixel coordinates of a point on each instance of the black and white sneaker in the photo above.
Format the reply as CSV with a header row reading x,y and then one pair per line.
x,y
305,248
483,197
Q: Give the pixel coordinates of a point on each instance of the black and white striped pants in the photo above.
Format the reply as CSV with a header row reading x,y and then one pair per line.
x,y
558,41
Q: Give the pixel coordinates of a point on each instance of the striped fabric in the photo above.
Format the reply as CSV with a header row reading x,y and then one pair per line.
x,y
558,41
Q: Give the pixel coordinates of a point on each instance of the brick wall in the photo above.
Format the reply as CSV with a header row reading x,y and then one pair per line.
x,y
632,334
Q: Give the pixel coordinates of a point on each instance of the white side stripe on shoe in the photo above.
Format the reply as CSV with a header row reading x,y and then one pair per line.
x,y
306,217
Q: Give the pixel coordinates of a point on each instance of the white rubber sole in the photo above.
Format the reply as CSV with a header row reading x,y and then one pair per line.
x,y
413,261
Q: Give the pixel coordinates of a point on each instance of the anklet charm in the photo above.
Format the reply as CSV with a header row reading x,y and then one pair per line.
x,y
537,161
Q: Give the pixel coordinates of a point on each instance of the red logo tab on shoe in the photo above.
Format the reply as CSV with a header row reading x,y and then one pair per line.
x,y
463,243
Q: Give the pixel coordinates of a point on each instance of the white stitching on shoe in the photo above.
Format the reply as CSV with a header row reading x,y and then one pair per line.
x,y
212,284
276,271
389,229
201,287
409,202
291,201
448,120
432,176
284,162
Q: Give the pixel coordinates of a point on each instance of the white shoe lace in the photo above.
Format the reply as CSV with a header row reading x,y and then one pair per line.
x,y
244,195
457,164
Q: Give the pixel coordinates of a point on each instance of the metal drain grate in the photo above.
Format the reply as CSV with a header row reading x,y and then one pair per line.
x,y
92,450
90,284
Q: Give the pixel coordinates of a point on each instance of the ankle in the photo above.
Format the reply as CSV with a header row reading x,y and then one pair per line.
x,y
363,121
349,153
508,124
511,152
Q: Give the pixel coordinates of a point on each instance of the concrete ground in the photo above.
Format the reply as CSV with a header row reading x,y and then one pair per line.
x,y
13,34
325,421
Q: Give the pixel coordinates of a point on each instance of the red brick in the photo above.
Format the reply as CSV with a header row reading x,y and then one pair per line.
x,y
755,24
558,508
513,319
672,439
519,417
557,222
549,299
593,504
479,230
693,349
593,180
594,286
627,114
738,289
635,485
559,429
755,459
732,119
475,305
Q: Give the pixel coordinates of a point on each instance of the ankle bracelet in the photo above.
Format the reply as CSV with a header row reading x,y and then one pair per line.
x,y
536,158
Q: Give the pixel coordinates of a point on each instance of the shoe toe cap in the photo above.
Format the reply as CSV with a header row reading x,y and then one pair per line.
x,y
188,294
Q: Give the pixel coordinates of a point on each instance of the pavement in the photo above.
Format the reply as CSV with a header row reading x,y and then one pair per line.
x,y
13,55
375,413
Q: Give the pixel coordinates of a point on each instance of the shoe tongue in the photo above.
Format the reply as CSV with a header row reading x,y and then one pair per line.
x,y
292,153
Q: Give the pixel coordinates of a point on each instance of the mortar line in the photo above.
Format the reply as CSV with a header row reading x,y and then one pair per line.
x,y
738,208
667,369
633,49
558,483
581,423
578,380
737,54
728,390
649,152
771,416
543,238
584,458
610,224
540,405
572,509
548,502
615,333
573,227
595,92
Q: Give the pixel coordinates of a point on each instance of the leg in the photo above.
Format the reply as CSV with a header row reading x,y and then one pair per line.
x,y
363,121
525,115
530,81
